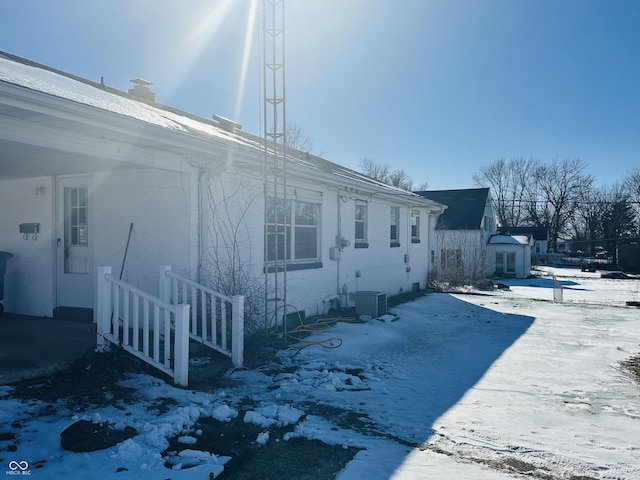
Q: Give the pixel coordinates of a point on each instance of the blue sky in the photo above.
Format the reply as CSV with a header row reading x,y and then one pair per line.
x,y
438,88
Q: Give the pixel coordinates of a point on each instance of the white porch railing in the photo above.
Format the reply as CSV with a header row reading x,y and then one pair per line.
x,y
217,320
149,328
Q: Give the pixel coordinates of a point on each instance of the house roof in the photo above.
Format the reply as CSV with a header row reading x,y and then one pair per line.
x,y
538,233
465,207
510,239
35,77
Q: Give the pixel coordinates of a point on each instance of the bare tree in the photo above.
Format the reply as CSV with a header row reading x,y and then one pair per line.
x,y
559,187
299,139
460,258
385,174
587,221
508,181
227,264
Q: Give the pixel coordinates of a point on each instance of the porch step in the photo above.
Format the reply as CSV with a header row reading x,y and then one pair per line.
x,y
74,314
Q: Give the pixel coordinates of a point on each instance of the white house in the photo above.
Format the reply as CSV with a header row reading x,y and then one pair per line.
x,y
86,169
510,255
540,237
459,247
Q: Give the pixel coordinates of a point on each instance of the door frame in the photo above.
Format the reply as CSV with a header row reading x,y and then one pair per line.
x,y
85,298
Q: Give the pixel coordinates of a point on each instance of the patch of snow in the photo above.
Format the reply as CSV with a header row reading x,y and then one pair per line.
x,y
263,438
187,440
224,413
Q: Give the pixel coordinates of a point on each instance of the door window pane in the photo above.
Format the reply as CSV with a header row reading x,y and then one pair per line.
x,y
76,229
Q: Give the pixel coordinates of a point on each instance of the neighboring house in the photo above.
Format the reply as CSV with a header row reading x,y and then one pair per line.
x,y
459,247
540,237
564,246
81,162
510,255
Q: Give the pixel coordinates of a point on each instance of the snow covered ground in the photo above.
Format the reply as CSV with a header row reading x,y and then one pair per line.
x,y
448,386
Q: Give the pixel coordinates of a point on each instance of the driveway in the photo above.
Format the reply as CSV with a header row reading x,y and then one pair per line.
x,y
31,346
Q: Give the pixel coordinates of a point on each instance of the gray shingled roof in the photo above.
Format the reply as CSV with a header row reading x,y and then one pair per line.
x,y
465,207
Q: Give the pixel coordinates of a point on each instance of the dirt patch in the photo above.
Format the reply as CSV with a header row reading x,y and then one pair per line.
x,y
519,466
85,436
89,382
633,365
277,458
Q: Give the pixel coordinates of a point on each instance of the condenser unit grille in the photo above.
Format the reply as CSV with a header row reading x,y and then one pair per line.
x,y
373,304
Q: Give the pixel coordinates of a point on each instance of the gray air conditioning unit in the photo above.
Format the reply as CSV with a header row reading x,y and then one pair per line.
x,y
370,303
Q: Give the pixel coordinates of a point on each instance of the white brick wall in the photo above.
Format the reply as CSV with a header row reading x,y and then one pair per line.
x,y
29,287
380,266
163,207
158,203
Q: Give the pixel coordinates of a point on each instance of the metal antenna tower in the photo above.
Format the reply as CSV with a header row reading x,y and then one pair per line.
x,y
277,209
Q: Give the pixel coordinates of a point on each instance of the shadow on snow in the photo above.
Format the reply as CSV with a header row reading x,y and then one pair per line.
x,y
437,351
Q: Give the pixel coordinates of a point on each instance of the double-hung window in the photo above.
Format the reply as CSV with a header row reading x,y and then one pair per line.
x,y
361,226
450,259
415,226
394,231
292,231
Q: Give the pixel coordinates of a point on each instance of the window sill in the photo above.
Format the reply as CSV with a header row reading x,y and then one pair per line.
x,y
291,267
415,240
394,244
361,245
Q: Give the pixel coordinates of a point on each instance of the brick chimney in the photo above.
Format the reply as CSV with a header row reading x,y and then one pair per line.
x,y
141,90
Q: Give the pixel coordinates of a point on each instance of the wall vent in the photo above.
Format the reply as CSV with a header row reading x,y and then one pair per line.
x,y
226,124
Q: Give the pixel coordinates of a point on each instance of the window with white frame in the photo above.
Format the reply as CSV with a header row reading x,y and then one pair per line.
x,y
394,231
450,259
511,262
361,226
506,262
415,226
293,226
488,224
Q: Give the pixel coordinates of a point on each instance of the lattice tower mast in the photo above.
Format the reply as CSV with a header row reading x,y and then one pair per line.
x,y
277,211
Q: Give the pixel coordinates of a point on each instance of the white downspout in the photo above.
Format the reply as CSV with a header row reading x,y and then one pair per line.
x,y
200,227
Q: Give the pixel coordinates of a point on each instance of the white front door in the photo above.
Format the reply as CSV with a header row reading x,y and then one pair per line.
x,y
73,242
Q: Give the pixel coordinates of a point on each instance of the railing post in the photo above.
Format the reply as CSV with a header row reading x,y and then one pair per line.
x,y
165,284
181,347
237,330
103,323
